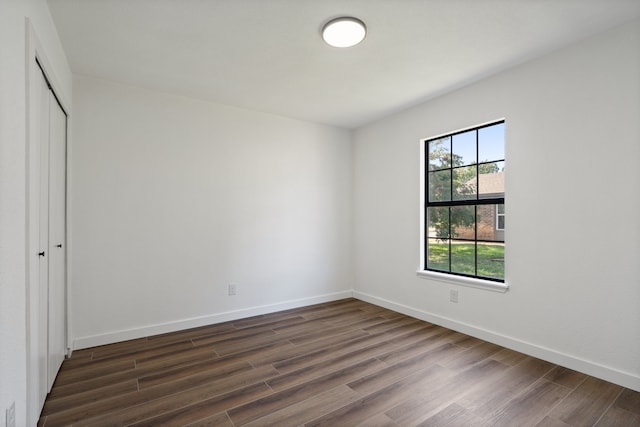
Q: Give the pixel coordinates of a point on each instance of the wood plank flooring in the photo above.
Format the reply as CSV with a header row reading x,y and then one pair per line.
x,y
344,363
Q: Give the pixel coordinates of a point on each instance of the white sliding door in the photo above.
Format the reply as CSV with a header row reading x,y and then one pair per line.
x,y
43,236
57,243
51,179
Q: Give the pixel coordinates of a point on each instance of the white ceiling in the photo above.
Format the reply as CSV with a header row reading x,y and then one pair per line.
x,y
267,55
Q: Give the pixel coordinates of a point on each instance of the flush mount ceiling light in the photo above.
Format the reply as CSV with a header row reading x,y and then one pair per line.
x,y
344,32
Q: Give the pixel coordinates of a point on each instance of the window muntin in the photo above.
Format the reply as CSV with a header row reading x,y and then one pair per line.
x,y
464,212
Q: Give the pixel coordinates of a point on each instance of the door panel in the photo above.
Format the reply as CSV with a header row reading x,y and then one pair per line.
x,y
57,243
43,239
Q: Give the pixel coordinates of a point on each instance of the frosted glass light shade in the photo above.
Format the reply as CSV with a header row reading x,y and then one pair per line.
x,y
344,32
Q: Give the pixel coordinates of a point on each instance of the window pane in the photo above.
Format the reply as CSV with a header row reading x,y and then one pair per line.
x,y
463,222
500,220
491,260
440,186
464,148
438,222
464,183
440,153
463,257
438,254
491,180
486,222
491,143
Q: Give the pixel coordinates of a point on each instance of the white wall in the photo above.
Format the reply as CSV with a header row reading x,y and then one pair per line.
x,y
173,199
572,203
13,123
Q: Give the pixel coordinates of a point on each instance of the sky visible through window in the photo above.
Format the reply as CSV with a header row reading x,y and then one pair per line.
x,y
490,147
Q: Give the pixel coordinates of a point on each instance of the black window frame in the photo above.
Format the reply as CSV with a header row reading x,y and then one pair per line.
x,y
475,202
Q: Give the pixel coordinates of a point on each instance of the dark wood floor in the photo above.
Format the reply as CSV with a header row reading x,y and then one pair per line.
x,y
344,363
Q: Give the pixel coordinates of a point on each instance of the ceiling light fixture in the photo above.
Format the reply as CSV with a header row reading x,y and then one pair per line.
x,y
344,32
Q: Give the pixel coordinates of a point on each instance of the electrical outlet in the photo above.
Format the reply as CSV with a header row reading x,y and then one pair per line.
x,y
11,415
232,290
453,296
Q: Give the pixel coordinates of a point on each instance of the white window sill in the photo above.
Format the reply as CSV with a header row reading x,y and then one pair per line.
x,y
472,282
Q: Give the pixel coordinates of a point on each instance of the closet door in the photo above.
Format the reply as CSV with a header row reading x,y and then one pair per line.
x,y
57,243
43,238
51,308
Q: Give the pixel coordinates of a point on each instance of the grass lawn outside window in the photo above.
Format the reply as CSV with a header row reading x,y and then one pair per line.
x,y
490,258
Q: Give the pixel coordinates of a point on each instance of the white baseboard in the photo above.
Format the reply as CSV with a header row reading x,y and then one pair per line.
x,y
624,379
145,331
606,373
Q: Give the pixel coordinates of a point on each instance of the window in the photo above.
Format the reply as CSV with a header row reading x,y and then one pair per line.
x,y
464,203
500,217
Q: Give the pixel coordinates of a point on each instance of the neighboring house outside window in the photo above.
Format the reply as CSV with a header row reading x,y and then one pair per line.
x,y
490,225
464,203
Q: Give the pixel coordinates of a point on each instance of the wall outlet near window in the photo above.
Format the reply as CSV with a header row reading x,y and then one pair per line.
x,y
232,290
453,296
11,415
